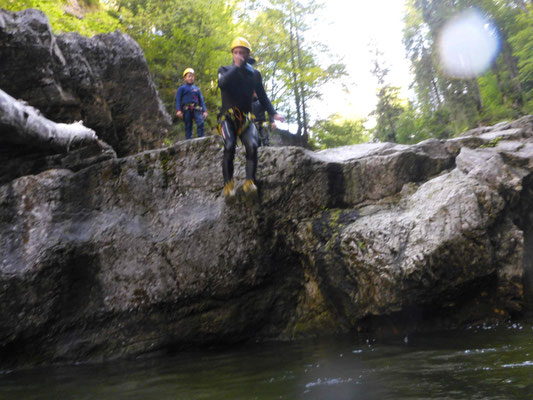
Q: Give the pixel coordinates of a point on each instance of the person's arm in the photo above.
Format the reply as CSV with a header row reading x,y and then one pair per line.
x,y
225,77
202,103
264,100
271,121
179,94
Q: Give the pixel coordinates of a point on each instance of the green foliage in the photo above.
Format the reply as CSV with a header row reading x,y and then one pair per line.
x,y
417,124
503,92
337,131
388,111
522,43
493,143
288,62
389,107
496,106
96,19
175,35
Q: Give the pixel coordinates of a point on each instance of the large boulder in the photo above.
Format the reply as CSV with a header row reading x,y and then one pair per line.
x,y
31,143
142,254
103,81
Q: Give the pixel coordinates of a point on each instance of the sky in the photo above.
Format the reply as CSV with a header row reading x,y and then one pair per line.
x,y
348,27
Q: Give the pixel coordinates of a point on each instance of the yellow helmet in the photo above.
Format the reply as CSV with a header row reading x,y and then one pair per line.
x,y
188,71
241,42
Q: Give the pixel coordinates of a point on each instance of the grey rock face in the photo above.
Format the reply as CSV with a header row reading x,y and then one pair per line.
x,y
30,143
142,254
103,81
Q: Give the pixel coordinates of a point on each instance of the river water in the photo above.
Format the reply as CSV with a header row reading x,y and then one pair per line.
x,y
477,363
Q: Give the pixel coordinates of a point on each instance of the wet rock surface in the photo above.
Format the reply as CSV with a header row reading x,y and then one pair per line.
x,y
142,254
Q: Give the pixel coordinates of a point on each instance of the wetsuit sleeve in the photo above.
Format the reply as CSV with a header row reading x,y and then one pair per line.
x,y
225,77
261,94
179,94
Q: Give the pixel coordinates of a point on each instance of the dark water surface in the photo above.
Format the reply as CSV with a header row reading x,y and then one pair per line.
x,y
480,363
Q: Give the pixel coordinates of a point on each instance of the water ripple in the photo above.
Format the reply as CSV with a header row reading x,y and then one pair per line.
x,y
328,382
524,364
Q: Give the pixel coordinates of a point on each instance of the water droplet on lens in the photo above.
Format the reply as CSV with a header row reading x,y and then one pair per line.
x,y
468,44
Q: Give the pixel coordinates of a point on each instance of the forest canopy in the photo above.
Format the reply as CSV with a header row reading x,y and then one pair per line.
x,y
175,35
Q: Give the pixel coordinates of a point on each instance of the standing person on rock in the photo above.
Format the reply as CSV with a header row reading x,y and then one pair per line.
x,y
190,105
260,122
237,83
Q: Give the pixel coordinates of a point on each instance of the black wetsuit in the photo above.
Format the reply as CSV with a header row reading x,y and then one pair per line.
x,y
237,85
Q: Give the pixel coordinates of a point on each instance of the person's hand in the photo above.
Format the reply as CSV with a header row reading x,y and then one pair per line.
x,y
205,114
239,60
279,117
273,125
179,114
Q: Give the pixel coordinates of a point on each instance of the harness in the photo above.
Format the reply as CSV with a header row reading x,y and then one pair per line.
x,y
192,107
239,120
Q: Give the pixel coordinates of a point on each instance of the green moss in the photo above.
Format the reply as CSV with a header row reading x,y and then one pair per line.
x,y
318,324
313,316
164,159
331,243
334,217
492,143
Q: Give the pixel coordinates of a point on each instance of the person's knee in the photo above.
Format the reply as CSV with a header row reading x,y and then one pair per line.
x,y
229,137
251,149
229,144
229,148
251,145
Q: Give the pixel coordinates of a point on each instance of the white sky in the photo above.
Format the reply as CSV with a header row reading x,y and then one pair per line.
x,y
348,27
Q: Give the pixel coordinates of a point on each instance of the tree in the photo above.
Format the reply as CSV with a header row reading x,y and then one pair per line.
x,y
389,106
92,19
337,130
174,35
522,42
436,90
502,92
290,63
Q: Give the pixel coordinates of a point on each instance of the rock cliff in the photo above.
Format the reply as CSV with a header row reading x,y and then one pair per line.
x,y
103,81
138,254
104,256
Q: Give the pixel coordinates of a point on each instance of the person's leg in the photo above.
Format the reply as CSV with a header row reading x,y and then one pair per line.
x,y
259,127
266,138
249,139
229,137
187,118
198,116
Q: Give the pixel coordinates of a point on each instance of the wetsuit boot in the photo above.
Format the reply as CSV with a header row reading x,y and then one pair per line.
x,y
229,190
250,189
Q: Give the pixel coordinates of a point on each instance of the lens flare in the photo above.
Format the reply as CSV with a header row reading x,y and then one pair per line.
x,y
468,44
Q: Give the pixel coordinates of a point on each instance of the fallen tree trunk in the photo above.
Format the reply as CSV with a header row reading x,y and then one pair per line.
x,y
23,125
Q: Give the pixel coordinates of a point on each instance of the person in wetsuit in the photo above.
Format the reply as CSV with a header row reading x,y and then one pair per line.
x,y
190,105
237,83
260,122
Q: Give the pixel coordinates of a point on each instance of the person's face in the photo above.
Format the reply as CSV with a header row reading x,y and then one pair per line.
x,y
240,53
189,78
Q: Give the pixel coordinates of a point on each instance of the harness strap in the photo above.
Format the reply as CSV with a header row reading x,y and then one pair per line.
x,y
191,107
239,119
